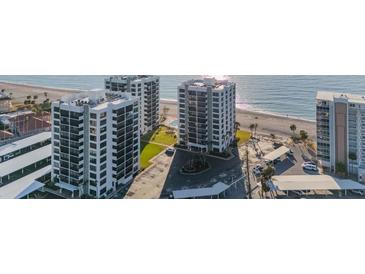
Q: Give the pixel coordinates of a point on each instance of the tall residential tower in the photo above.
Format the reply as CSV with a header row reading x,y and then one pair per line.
x,y
95,137
147,89
206,114
341,131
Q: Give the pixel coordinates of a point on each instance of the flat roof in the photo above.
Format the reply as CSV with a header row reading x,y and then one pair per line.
x,y
200,192
277,153
314,182
330,96
25,185
14,146
24,160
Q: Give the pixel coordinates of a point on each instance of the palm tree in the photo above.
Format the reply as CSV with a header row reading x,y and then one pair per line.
x,y
293,128
252,127
266,175
236,127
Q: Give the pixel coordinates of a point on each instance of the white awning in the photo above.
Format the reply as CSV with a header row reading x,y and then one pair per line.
x,y
214,190
314,182
24,186
277,153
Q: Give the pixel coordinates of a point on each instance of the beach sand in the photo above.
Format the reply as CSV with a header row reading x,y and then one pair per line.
x,y
20,91
267,123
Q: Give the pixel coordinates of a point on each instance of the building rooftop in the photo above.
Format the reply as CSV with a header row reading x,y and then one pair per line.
x,y
277,153
25,160
313,182
14,146
331,96
25,185
208,82
125,78
4,95
97,99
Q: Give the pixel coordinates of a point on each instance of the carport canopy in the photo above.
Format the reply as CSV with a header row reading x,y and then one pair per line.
x,y
277,153
214,190
314,182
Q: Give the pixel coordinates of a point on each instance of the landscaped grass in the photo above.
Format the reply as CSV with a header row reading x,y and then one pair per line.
x,y
161,136
243,136
148,151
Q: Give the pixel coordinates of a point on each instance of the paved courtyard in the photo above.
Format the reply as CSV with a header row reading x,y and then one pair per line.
x,y
149,184
220,171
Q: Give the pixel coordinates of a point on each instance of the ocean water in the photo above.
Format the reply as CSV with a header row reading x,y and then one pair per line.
x,y
283,95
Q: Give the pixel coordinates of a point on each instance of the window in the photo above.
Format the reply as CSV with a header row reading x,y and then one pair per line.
x,y
93,115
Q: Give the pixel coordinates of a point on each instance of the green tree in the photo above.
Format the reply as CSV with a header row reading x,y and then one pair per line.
x,y
252,127
303,135
293,128
340,168
266,175
256,125
236,127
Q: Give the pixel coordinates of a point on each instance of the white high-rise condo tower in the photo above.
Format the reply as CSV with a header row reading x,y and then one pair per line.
x,y
341,131
147,89
207,114
95,137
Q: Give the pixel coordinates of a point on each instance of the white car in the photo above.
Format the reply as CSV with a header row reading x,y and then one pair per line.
x,y
309,166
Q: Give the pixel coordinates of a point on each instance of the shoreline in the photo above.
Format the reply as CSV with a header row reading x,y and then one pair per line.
x,y
268,123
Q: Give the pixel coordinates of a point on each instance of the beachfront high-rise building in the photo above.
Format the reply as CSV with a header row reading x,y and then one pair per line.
x,y
147,89
207,116
95,137
341,131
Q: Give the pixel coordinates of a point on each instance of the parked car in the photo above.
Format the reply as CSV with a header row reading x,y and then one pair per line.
x,y
308,166
299,192
259,167
277,145
256,171
290,153
358,192
170,151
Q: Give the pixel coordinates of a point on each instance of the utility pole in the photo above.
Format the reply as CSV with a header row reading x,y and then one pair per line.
x,y
248,174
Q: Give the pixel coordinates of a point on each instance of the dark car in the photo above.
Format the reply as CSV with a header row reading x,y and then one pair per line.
x,y
170,151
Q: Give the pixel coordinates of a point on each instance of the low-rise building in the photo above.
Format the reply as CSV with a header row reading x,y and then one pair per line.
x,y
24,158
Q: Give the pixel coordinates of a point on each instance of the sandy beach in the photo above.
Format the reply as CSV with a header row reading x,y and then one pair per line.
x,y
267,123
20,92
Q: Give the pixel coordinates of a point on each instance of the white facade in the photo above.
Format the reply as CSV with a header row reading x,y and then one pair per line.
x,y
341,131
147,89
207,114
96,141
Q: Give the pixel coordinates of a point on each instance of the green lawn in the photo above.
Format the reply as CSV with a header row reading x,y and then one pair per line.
x,y
243,136
148,151
160,136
